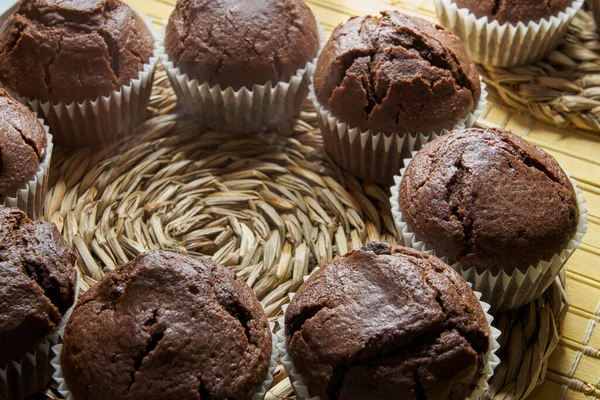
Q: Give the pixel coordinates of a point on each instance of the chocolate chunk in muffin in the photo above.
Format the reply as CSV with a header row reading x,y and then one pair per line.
x,y
490,200
396,74
514,11
240,43
37,282
387,322
22,145
72,50
167,326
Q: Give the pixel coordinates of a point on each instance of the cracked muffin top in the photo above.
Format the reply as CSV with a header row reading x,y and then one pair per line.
x,y
490,200
22,145
240,43
387,322
396,74
37,282
72,50
513,11
167,326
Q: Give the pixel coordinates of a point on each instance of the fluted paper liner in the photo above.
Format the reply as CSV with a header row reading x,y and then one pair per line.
x,y
103,119
32,372
504,291
505,45
377,157
301,390
268,106
30,198
63,389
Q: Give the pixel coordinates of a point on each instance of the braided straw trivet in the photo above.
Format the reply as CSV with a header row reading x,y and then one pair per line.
x,y
563,89
271,207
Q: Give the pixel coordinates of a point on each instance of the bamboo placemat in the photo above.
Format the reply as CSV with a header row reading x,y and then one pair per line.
x,y
573,370
271,206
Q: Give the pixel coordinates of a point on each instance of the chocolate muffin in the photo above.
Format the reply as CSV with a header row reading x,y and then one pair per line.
x,y
22,145
72,50
167,326
396,74
514,11
387,322
37,282
490,200
240,43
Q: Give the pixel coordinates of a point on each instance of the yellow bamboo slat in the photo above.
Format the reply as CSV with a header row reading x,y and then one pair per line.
x,y
573,370
584,262
575,328
554,390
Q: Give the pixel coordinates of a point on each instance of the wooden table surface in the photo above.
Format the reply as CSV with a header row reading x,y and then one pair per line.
x,y
574,367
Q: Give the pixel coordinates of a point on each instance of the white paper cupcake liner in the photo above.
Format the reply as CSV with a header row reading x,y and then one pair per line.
x,y
64,391
491,360
505,45
266,385
263,107
504,291
31,373
30,198
104,119
377,157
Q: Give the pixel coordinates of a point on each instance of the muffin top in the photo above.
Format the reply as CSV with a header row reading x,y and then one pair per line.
x,y
72,50
167,326
240,43
490,200
22,145
513,11
396,74
387,322
37,282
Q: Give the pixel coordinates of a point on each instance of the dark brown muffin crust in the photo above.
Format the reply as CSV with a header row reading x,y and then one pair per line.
x,y
22,145
37,282
387,322
396,74
72,50
167,326
240,43
513,11
490,200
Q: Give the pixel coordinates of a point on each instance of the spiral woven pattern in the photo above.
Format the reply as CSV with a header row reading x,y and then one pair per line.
x,y
563,89
272,207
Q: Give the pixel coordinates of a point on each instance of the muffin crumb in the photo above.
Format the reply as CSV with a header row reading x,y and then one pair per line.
x,y
387,320
167,326
490,200
72,50
38,281
514,11
234,43
396,74
22,145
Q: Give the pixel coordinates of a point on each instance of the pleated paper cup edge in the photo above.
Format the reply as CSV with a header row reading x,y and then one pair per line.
x,y
61,110
241,102
51,340
301,390
344,137
500,37
36,187
532,274
268,381
260,393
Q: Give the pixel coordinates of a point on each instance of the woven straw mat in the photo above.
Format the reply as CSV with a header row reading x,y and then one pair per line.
x,y
273,207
